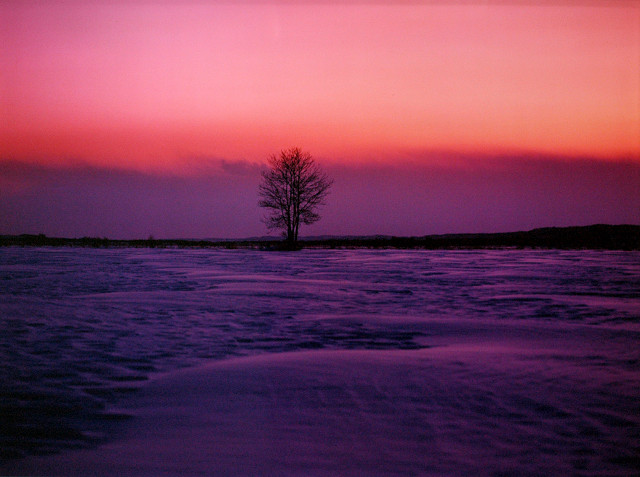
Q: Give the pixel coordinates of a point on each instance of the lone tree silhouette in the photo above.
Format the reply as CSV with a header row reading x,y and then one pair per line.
x,y
292,189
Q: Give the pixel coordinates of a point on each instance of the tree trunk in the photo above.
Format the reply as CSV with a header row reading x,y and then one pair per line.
x,y
291,238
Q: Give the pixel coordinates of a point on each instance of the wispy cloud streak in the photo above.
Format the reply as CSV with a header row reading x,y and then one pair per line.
x,y
400,199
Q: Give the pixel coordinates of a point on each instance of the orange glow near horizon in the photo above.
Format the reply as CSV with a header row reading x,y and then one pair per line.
x,y
146,86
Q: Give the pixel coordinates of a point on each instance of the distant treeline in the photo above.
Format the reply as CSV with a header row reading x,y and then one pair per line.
x,y
606,237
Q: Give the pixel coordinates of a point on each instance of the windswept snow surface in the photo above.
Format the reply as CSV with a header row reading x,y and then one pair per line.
x,y
319,362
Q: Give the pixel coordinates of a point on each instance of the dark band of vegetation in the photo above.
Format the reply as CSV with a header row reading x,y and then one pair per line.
x,y
606,237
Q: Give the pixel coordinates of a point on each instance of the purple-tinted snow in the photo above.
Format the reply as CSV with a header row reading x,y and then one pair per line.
x,y
319,362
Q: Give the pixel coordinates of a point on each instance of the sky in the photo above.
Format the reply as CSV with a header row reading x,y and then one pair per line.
x,y
134,118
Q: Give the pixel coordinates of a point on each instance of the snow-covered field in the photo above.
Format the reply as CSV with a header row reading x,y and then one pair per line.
x,y
330,362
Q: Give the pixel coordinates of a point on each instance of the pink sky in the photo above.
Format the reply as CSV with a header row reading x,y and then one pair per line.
x,y
169,87
138,84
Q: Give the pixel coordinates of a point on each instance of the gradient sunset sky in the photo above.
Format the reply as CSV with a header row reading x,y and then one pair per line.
x,y
128,119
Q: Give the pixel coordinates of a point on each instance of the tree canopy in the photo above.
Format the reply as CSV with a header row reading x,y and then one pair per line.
x,y
292,189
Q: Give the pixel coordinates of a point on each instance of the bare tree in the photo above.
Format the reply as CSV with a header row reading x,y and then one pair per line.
x,y
291,190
